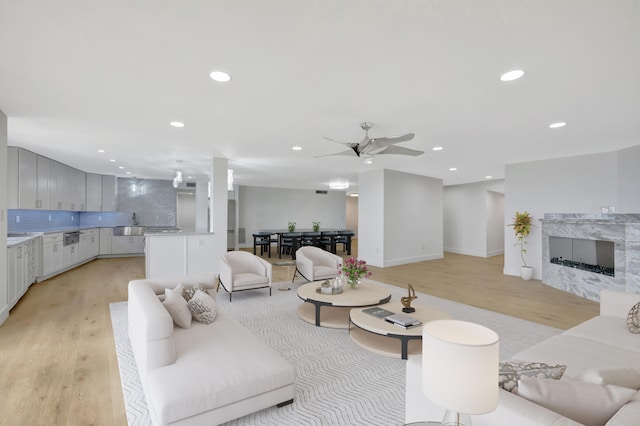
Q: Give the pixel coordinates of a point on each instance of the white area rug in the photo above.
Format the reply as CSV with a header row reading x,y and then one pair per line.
x,y
338,383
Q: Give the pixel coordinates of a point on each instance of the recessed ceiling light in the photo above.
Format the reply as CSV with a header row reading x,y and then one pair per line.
x,y
353,194
557,125
296,148
121,167
488,177
220,76
176,124
112,160
512,75
339,185
368,160
437,148
101,151
128,173
453,169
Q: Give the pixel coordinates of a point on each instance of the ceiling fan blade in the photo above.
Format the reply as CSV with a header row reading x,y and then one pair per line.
x,y
348,152
349,144
400,150
394,139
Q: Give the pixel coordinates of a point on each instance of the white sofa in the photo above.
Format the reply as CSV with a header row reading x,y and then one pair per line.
x,y
602,342
205,374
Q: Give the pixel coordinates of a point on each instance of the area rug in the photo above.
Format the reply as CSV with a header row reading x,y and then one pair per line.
x,y
338,382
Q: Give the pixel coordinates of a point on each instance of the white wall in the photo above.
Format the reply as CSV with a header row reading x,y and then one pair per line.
x,y
628,180
580,184
473,218
4,311
495,223
186,211
400,218
272,208
352,214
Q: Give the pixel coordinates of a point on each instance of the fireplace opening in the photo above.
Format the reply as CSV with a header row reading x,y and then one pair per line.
x,y
588,255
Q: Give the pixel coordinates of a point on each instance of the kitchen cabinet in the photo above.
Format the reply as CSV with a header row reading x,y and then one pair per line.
x,y
89,244
22,268
57,185
179,255
105,240
94,192
42,185
108,193
27,179
127,245
70,255
51,253
25,173
80,200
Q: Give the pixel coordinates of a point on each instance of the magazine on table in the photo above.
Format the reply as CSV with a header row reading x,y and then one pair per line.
x,y
378,312
402,320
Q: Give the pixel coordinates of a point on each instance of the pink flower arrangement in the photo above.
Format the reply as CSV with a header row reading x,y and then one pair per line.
x,y
354,269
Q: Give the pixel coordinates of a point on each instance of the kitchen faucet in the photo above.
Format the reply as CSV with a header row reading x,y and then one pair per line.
x,y
135,220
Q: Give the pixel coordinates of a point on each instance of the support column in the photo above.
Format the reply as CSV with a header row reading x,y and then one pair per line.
x,y
202,203
218,208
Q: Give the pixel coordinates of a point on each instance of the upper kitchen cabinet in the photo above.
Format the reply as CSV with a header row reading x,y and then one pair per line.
x,y
108,193
28,176
94,192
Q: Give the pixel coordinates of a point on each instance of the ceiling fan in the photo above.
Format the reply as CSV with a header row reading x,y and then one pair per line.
x,y
369,146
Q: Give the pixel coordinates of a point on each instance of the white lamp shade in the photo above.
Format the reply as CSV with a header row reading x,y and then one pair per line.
x,y
460,366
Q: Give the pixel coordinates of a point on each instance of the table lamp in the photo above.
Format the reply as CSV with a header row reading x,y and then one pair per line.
x,y
460,369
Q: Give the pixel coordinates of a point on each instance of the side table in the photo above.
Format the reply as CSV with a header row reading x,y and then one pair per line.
x,y
288,264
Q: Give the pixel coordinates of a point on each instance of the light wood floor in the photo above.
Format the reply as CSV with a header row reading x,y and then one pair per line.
x,y
57,355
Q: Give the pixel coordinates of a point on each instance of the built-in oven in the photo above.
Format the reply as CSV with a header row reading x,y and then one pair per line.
x,y
71,237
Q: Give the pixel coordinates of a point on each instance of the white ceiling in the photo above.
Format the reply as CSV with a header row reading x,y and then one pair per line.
x,y
77,76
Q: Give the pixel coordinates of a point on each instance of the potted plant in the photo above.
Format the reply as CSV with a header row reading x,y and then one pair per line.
x,y
291,226
316,226
522,228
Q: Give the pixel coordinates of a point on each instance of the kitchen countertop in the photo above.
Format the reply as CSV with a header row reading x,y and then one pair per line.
x,y
14,241
165,233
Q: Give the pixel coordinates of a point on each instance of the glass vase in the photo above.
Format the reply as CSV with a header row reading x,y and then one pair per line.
x,y
354,282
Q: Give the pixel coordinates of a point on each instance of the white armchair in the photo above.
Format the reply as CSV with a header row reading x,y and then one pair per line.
x,y
241,270
313,264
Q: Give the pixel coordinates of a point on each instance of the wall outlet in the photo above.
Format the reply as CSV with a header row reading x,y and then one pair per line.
x,y
17,219
49,218
99,218
71,218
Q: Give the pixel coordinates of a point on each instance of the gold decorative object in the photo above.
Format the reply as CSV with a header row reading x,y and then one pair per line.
x,y
406,301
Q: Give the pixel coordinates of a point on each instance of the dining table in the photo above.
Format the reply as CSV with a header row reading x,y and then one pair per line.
x,y
334,236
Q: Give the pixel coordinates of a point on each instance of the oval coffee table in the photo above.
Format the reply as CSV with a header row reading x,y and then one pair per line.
x,y
332,310
382,337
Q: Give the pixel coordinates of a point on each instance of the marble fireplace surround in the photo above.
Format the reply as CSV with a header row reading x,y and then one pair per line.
x,y
621,229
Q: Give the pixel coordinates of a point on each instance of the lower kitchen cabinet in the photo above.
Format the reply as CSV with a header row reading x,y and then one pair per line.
x,y
51,253
89,244
127,244
22,268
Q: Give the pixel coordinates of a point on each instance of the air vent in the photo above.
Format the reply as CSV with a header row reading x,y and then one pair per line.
x,y
321,192
191,184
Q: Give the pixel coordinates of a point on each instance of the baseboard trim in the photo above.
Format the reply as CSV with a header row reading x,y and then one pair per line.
x,y
407,260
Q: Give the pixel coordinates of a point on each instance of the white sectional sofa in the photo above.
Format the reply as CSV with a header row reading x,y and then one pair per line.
x,y
205,374
597,346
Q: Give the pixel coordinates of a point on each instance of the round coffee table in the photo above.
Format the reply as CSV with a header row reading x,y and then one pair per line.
x,y
380,336
332,310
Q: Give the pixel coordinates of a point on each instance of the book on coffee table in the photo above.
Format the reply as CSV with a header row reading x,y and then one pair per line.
x,y
377,312
402,320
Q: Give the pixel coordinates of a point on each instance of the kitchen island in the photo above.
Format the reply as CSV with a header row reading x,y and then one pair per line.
x,y
173,253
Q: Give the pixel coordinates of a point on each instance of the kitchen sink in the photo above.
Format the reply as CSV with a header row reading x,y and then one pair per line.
x,y
120,231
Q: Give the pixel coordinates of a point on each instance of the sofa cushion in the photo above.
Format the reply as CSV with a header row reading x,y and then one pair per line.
x,y
189,291
587,403
177,307
216,365
628,414
510,372
321,272
633,319
610,331
571,351
621,376
248,279
203,307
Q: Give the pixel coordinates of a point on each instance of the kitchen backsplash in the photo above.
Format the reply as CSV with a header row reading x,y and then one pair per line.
x,y
152,200
43,220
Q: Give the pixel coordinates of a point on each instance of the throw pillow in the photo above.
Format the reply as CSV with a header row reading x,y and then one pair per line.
x,y
177,308
619,376
633,319
512,371
188,292
203,307
586,403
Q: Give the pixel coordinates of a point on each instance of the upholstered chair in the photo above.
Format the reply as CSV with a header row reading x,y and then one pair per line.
x,y
241,270
313,264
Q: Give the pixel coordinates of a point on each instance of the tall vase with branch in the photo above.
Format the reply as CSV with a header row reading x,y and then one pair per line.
x,y
522,223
